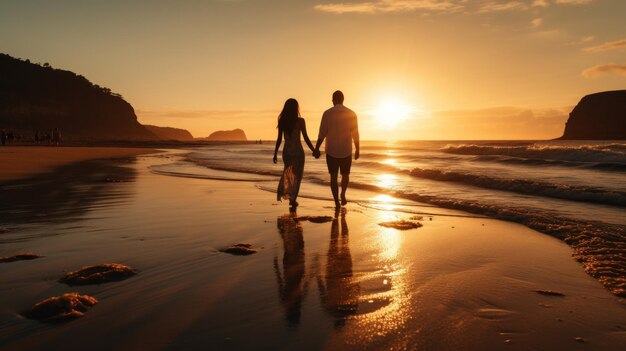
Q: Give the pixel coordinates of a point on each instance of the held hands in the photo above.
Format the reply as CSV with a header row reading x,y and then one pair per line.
x,y
316,153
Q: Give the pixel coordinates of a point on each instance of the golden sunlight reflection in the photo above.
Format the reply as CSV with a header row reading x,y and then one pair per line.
x,y
385,302
386,180
390,161
386,203
390,241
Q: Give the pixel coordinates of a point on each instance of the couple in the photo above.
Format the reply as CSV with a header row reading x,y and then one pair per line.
x,y
339,128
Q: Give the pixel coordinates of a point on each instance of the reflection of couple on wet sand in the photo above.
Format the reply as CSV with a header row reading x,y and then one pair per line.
x,y
339,127
338,290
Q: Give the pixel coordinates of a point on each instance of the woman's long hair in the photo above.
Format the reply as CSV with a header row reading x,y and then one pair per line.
x,y
289,115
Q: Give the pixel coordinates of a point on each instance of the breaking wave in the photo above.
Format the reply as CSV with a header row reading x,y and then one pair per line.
x,y
611,153
527,187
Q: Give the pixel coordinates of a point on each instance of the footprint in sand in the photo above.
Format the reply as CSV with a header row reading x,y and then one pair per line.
x,y
493,313
239,250
549,293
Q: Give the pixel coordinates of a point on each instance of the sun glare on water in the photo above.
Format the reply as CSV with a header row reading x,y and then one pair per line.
x,y
391,113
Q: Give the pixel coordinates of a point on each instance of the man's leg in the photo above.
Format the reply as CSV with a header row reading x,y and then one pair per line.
x,y
334,188
333,170
345,165
345,179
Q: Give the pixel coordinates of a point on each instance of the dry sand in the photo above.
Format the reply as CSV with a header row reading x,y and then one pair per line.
x,y
456,283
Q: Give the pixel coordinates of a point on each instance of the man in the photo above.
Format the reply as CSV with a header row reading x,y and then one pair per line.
x,y
339,127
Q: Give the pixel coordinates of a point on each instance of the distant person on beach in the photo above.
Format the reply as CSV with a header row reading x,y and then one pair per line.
x,y
56,137
3,137
291,125
339,127
37,136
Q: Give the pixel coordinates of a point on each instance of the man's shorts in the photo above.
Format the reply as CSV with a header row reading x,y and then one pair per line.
x,y
335,164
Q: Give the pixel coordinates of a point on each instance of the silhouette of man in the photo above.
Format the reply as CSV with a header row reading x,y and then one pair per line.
x,y
339,127
339,290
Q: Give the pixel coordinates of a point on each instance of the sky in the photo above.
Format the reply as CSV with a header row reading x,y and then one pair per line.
x,y
410,69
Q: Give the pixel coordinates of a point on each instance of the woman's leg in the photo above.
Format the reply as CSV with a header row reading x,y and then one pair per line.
x,y
284,178
298,170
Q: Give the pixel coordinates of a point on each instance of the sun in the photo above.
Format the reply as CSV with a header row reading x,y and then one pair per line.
x,y
392,112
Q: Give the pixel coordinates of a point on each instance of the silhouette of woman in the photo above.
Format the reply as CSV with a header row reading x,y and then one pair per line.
x,y
291,125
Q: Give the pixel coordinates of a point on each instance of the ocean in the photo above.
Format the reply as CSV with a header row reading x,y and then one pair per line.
x,y
581,181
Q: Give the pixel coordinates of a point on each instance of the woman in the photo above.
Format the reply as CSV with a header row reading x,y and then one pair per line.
x,y
290,124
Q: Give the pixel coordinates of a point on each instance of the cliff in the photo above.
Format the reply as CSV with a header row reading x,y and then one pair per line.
x,y
34,96
228,135
600,116
168,133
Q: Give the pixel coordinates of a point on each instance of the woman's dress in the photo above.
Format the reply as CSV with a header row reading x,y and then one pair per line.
x,y
293,157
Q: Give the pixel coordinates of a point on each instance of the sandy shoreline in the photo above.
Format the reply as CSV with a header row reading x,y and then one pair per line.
x,y
454,283
24,161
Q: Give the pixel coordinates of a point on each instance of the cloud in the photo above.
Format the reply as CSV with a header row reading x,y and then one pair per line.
x,y
611,45
383,6
582,40
536,22
494,6
587,38
550,34
600,70
341,8
475,6
574,2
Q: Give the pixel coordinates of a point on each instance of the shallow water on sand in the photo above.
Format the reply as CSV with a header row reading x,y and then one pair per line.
x,y
572,190
458,282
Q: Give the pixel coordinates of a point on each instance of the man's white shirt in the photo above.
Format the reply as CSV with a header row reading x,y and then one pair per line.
x,y
340,127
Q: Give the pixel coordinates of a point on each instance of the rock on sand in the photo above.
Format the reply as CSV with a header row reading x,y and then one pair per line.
x,y
61,308
400,225
20,257
101,273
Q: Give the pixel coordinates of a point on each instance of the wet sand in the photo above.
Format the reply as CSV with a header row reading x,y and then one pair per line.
x,y
458,282
25,161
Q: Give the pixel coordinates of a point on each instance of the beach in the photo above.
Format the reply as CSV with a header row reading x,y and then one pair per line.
x,y
24,161
460,281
